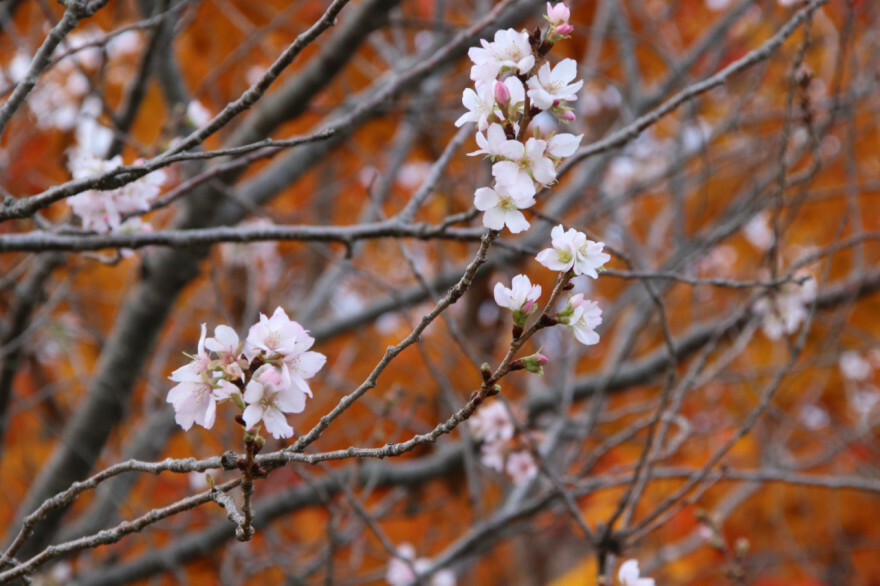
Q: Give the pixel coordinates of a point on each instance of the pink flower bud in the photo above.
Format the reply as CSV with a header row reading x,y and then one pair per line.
x,y
535,363
502,94
563,30
567,116
528,307
559,13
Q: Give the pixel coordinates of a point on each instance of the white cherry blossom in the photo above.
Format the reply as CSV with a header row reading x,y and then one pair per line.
x,y
510,50
551,86
565,246
524,165
519,295
589,258
502,208
480,105
584,320
490,144
563,145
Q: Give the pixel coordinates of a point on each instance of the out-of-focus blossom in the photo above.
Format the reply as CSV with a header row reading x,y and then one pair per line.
x,y
629,575
491,423
853,366
402,570
521,467
783,311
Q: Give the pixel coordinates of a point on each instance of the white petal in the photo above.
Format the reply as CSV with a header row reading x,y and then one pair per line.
x,y
276,424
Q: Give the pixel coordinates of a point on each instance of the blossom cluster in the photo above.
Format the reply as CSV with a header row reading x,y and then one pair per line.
x,y
514,86
265,375
492,425
570,250
404,570
55,101
783,311
106,211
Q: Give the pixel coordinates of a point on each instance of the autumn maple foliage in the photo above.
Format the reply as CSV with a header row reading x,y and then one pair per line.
x,y
463,292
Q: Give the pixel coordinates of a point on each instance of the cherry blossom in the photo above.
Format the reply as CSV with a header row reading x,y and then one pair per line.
x,y
509,51
783,311
270,394
628,574
490,144
565,246
520,297
502,208
563,145
193,401
521,467
402,570
491,423
558,14
492,455
227,346
481,106
551,86
284,343
589,258
853,366
523,165
586,316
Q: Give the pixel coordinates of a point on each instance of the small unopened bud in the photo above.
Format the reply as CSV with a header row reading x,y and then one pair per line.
x,y
494,390
535,363
567,116
528,307
502,93
485,371
563,30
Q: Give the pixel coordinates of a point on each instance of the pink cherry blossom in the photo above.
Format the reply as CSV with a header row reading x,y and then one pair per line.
x,y
227,346
521,467
558,14
269,395
491,423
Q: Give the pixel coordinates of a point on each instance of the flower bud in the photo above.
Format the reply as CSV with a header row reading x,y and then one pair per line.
x,y
567,116
502,93
535,363
563,30
559,13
